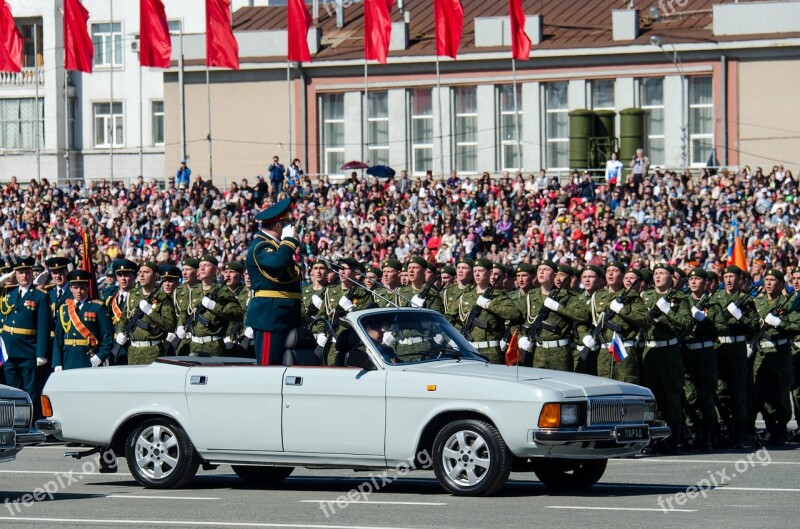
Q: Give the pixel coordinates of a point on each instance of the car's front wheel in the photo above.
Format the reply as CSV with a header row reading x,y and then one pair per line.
x,y
569,474
160,455
470,458
262,476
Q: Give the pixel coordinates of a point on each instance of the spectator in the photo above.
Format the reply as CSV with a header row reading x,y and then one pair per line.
x,y
277,174
613,171
183,175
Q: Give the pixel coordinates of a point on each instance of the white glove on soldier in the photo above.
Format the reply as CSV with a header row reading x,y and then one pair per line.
x,y
345,303
316,300
59,368
40,362
483,302
772,320
121,338
663,305
388,339
525,344
735,311
288,231
588,341
417,302
248,332
616,306
438,339
208,303
171,336
180,332
698,314
228,343
503,345
551,304
750,351
146,307
322,339
95,361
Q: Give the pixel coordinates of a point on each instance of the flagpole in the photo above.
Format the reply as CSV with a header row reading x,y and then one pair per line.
x,y
182,97
66,119
289,100
365,146
441,134
516,111
141,123
111,82
36,109
208,100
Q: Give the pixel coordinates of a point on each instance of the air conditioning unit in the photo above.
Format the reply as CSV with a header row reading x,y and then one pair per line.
x,y
135,45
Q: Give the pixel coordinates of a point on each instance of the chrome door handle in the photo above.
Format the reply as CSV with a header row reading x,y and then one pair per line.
x,y
294,381
198,380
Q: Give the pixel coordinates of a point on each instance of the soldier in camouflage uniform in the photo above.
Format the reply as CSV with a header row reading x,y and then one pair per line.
x,y
464,282
155,315
390,278
495,311
344,297
170,278
417,267
314,291
795,306
180,298
233,273
212,308
525,275
586,357
448,276
662,366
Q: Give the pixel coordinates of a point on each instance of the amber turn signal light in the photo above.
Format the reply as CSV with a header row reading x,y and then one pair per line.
x,y
47,408
550,417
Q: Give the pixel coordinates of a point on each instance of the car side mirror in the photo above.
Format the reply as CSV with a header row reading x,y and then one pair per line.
x,y
358,358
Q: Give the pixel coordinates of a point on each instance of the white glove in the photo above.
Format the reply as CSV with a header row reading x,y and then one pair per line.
x,y
551,304
248,332
322,339
180,332
750,351
616,306
525,344
772,320
316,300
345,303
95,360
40,362
698,314
588,341
483,302
121,338
663,305
208,303
417,302
503,345
171,337
388,339
288,231
228,342
735,311
41,279
146,307
438,339
59,368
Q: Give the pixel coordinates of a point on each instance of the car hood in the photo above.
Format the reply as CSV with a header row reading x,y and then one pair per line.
x,y
7,392
570,384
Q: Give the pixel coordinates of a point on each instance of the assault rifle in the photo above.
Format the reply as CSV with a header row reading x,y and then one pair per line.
x,y
134,321
670,296
535,328
763,333
472,320
198,316
604,320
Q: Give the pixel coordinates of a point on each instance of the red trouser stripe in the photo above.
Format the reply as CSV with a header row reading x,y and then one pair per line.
x,y
265,343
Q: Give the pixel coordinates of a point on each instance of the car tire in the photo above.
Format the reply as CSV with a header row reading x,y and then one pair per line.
x,y
470,458
569,474
160,455
262,476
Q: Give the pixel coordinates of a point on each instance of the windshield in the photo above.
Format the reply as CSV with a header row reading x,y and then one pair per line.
x,y
404,337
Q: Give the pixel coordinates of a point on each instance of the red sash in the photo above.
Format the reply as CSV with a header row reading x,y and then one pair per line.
x,y
72,310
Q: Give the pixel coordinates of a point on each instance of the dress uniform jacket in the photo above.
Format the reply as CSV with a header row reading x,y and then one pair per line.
x,y
432,300
632,319
501,309
26,324
450,298
208,338
147,344
72,349
360,298
180,299
554,351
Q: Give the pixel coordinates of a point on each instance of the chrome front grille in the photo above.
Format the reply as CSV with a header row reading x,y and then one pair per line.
x,y
615,410
6,414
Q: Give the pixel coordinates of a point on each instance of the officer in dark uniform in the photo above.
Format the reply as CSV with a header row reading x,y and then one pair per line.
x,y
58,293
26,331
276,282
84,334
125,271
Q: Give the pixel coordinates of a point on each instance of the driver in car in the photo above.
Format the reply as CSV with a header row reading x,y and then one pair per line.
x,y
383,339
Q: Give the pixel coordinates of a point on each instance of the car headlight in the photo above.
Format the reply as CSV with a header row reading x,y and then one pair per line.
x,y
557,414
649,411
570,415
22,415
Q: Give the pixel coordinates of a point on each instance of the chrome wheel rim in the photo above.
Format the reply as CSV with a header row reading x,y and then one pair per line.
x,y
157,452
466,458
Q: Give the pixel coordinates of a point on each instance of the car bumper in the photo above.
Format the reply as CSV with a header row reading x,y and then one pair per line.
x,y
22,439
48,427
593,435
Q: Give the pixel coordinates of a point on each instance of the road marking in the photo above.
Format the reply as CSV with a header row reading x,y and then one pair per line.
x,y
693,461
61,472
190,523
579,508
755,489
132,497
367,502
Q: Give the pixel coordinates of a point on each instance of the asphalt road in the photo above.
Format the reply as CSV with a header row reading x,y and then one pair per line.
x,y
740,489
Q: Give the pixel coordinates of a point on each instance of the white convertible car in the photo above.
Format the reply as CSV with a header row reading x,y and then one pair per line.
x,y
404,388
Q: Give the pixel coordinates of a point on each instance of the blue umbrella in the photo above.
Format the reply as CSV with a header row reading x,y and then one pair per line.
x,y
381,171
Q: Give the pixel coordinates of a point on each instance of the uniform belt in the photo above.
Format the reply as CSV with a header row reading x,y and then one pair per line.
x,y
412,341
484,345
662,343
774,345
18,330
280,294
731,339
626,343
693,346
205,339
145,343
552,344
76,341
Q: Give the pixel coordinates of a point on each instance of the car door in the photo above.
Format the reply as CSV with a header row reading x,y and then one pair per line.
x,y
334,410
235,407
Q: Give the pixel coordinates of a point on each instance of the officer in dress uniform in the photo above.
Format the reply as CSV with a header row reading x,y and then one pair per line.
x,y
26,331
125,271
57,294
180,299
84,333
276,282
233,272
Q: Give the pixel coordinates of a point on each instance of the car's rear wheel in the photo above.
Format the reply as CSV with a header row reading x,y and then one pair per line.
x,y
262,476
569,474
160,455
470,458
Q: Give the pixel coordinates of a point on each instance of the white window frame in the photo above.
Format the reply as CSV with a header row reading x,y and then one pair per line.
x,y
17,123
647,108
100,41
109,120
502,142
699,136
327,150
153,116
419,146
373,146
548,139
593,88
459,118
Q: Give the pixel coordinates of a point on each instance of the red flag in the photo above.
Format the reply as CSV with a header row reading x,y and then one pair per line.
x,y
520,42
449,22
10,42
221,46
738,257
377,29
87,263
155,46
513,355
78,47
299,20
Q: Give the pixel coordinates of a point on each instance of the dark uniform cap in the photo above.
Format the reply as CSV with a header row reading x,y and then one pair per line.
x,y
124,265
680,272
392,263
777,274
374,269
647,275
664,266
733,269
483,263
275,212
352,263
191,262
169,272
596,269
617,264
209,259
500,267
152,265
712,275
236,266
24,263
575,271
526,268
57,263
746,274
450,270
698,272
79,276
467,261
548,263
564,269
418,261
5,266
318,261
432,267
635,271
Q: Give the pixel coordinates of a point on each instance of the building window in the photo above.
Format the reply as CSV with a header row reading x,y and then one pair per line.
x,y
18,124
108,125
378,118
333,132
701,120
603,94
652,97
175,26
421,130
107,39
465,128
33,46
510,145
557,125
157,122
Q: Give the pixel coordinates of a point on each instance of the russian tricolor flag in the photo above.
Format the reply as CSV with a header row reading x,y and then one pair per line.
x,y
3,353
617,349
